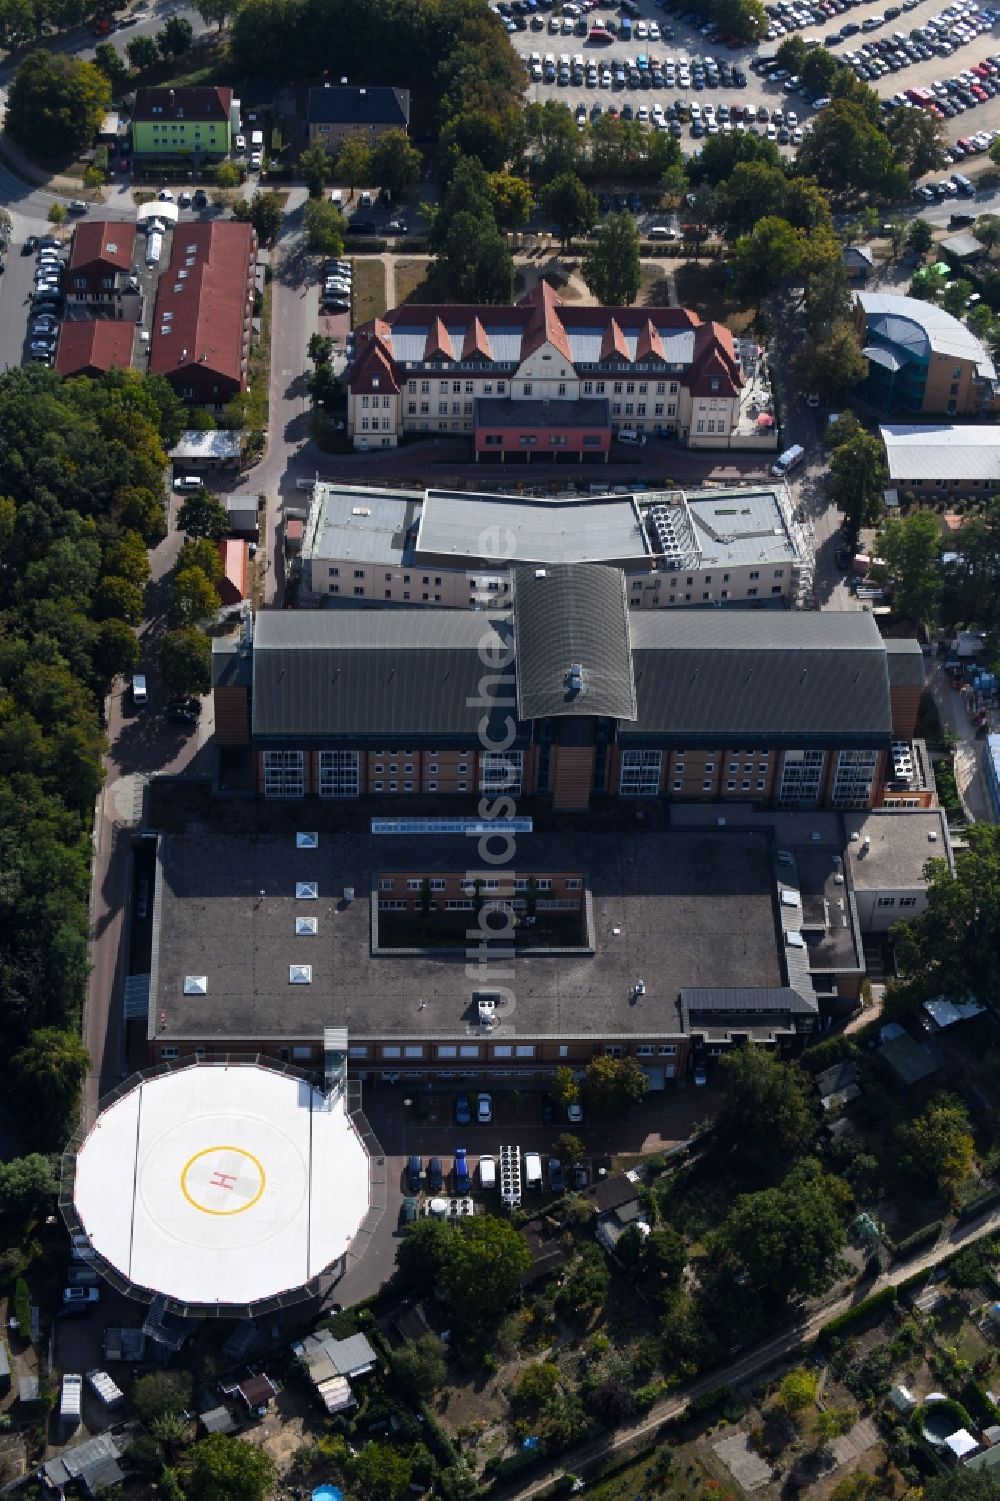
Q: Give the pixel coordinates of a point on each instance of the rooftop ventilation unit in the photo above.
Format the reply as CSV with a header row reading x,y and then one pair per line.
x,y
196,985
300,974
306,927
307,891
487,1013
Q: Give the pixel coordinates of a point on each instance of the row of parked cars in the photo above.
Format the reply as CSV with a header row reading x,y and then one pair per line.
x,y
47,298
432,1178
642,70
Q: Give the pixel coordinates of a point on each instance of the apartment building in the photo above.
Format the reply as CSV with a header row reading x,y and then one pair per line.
x,y
921,359
960,458
458,550
551,378
336,112
583,697
100,264
199,121
203,318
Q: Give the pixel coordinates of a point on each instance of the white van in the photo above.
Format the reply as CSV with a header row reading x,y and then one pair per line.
x,y
629,435
789,460
662,232
532,1170
139,694
337,198
487,1172
188,482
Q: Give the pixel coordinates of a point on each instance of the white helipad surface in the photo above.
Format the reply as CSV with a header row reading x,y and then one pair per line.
x,y
222,1184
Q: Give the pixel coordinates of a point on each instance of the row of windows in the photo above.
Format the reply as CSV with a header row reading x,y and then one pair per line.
x,y
488,883
359,1052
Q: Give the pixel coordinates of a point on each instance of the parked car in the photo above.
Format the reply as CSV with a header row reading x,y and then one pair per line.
x,y
256,158
581,1177
435,1175
463,1183
362,227
557,1181
165,195
184,200
463,1110
484,1109
574,1113
42,347
414,1168
408,1213
73,1295
700,1074
30,245
200,199
77,206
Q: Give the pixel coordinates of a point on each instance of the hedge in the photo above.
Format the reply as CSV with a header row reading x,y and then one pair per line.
x,y
980,1204
921,1237
976,1400
446,1451
22,1308
718,1396
856,1315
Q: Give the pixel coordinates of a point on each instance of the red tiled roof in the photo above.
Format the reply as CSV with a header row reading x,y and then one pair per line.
x,y
94,344
207,292
102,241
614,342
714,360
544,325
235,558
477,341
438,342
202,102
374,370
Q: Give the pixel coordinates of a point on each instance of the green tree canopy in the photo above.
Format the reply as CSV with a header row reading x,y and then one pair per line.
x,y
798,1389
612,1086
420,1367
142,52
940,1145
230,1469
858,477
917,140
380,1472
512,200
354,162
832,362
564,1088
482,1275
611,266
325,226
787,1240
396,162
48,1073
315,165
847,149
216,12
27,1182
175,37
56,103
202,514
920,236
767,1109
771,254
571,207
111,64
161,1394
265,212
186,661
195,598
910,546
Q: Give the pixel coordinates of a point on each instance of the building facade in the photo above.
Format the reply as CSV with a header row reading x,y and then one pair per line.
x,y
458,550
186,122
928,458
776,709
100,265
922,360
549,377
336,112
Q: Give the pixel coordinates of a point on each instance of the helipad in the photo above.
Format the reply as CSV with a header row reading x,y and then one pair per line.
x,y
222,1184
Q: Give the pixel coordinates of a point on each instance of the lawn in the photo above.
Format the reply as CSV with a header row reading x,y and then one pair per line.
x,y
369,289
704,287
677,1472
415,284
955,1328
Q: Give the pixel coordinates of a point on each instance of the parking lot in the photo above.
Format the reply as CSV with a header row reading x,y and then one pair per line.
x,y
600,87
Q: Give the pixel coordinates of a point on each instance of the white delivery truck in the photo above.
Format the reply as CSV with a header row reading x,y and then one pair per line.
x,y
789,460
532,1170
71,1398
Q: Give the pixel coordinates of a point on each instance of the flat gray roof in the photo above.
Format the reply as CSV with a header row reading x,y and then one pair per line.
x,y
583,411
370,526
671,908
941,450
900,847
505,529
741,526
219,443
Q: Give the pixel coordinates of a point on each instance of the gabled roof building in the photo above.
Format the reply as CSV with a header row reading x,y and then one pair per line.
x,y
336,112
548,377
204,311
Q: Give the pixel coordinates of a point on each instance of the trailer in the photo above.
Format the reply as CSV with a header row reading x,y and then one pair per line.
x,y
109,1391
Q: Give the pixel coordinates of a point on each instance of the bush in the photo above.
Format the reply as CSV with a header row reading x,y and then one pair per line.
x,y
922,1237
866,1309
709,1401
980,1204
978,1404
22,1308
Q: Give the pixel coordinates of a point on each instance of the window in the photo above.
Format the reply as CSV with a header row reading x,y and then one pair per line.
x,y
447,1050
385,883
438,884
801,777
527,388
854,778
574,883
524,1050
503,1050
413,883
338,773
668,1050
469,1050
390,1051
907,901
413,1050
644,1050
357,1051
169,1053
501,771
640,773
886,901
284,774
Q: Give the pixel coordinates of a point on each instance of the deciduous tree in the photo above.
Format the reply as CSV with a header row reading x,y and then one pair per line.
x,y
56,103
142,52
47,1074
512,200
482,1275
612,1086
858,477
186,661
175,37
111,64
787,1241
354,162
202,514
920,236
940,1145
611,267
570,206
911,549
325,226
230,1469
767,1113
396,162
315,165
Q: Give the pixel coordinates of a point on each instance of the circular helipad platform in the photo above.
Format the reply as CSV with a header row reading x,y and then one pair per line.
x,y
222,1184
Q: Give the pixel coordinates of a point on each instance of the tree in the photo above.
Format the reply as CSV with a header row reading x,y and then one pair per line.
x,y
161,1394
818,72
229,1469
216,12
988,230
613,1085
117,650
564,1089
611,267
380,1472
920,237
767,1112
175,37
571,206
858,477
26,1182
897,231
664,1256
961,1485
424,1252
536,1386
762,260
940,1146
956,297
227,175
952,947
201,553
56,103
846,149
787,1240
791,54
325,227
552,139
420,1367
568,1148
396,162
265,212
512,200
483,134
142,52
917,140
202,514
111,64
798,1389
482,1275
911,549
47,1074
118,599
830,364
315,164
354,162
57,213
186,662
